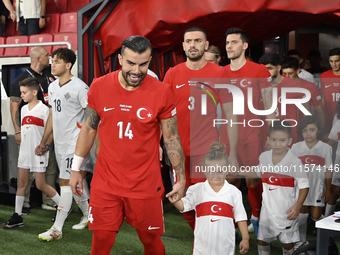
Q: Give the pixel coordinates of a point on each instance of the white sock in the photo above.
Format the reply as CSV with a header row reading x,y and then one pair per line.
x,y
56,198
303,226
321,217
329,209
19,203
264,250
82,201
64,206
287,252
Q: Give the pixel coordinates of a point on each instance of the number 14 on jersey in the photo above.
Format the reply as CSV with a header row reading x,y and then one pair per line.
x,y
128,131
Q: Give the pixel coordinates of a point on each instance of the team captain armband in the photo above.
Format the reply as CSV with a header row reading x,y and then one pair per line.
x,y
76,164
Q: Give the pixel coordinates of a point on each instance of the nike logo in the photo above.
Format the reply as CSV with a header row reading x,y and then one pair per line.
x,y
108,109
214,220
271,189
151,228
178,86
327,86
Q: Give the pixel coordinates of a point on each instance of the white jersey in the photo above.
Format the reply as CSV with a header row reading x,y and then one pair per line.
x,y
68,103
281,185
316,161
306,76
334,135
215,214
33,124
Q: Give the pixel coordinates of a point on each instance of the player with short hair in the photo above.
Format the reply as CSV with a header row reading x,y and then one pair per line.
x,y
291,69
303,74
245,74
187,81
213,54
33,121
330,88
317,159
127,182
283,179
217,204
68,99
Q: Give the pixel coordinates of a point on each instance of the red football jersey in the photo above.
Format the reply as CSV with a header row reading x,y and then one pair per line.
x,y
330,89
257,77
195,129
128,162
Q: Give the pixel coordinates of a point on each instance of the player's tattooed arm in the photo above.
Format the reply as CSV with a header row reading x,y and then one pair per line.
x,y
175,152
15,111
267,98
92,117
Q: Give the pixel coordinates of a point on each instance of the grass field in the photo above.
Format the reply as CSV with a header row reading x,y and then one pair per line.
x,y
178,238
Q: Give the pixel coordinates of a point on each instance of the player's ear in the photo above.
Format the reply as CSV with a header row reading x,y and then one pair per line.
x,y
120,59
206,45
290,140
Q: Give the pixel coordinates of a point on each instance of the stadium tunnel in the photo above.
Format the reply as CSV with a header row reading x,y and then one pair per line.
x,y
104,24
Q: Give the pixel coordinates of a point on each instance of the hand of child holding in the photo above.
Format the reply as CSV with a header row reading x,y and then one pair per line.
x,y
244,246
326,195
293,212
173,198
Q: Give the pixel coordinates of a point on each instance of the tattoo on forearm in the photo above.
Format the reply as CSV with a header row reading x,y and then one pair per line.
x,y
267,93
17,118
174,148
92,117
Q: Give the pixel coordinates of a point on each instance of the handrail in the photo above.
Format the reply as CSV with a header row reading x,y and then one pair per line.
x,y
69,45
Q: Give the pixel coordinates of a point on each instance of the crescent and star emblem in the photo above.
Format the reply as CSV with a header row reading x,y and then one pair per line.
x,y
212,209
272,181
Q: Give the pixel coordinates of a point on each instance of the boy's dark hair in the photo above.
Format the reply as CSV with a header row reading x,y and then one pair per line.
x,y
270,58
290,62
280,125
31,83
294,52
196,29
235,30
67,55
310,119
136,43
334,52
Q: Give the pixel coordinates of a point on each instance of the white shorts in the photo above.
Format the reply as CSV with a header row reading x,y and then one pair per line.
x,y
35,169
268,235
336,171
65,165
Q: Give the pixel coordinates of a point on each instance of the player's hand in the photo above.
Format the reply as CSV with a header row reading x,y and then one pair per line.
x,y
244,246
327,195
18,139
234,162
76,183
293,212
174,198
39,149
177,188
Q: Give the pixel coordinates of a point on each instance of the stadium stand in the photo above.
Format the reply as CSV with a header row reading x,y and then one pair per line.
x,y
68,22
2,41
41,38
73,6
52,23
16,52
71,37
10,29
54,6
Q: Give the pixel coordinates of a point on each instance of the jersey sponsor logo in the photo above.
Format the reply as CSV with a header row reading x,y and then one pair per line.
x,y
152,228
107,109
214,208
244,83
31,120
179,86
215,220
144,114
326,86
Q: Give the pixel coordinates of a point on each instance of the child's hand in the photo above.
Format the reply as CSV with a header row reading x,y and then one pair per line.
x,y
244,246
327,195
174,198
293,212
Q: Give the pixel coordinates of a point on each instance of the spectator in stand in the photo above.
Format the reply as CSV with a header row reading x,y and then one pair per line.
x,y
4,12
30,15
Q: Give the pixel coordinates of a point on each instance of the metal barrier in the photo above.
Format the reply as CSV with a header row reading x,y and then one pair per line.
x,y
36,44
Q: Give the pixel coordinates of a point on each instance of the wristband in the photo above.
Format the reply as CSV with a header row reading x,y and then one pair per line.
x,y
17,132
42,16
49,146
13,12
76,164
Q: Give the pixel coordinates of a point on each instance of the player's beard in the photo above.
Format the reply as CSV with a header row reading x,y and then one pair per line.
x,y
196,57
126,78
236,55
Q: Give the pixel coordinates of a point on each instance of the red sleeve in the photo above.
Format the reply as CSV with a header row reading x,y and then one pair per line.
x,y
168,77
315,96
168,105
264,77
224,93
92,94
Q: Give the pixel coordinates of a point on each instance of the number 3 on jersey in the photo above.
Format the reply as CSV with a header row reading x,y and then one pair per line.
x,y
128,131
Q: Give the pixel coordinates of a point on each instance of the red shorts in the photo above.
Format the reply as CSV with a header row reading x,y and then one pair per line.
x,y
107,212
192,174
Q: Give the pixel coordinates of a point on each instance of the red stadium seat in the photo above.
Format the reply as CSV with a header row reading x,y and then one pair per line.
x,y
53,6
20,51
73,6
10,28
70,37
52,23
41,38
2,41
68,22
